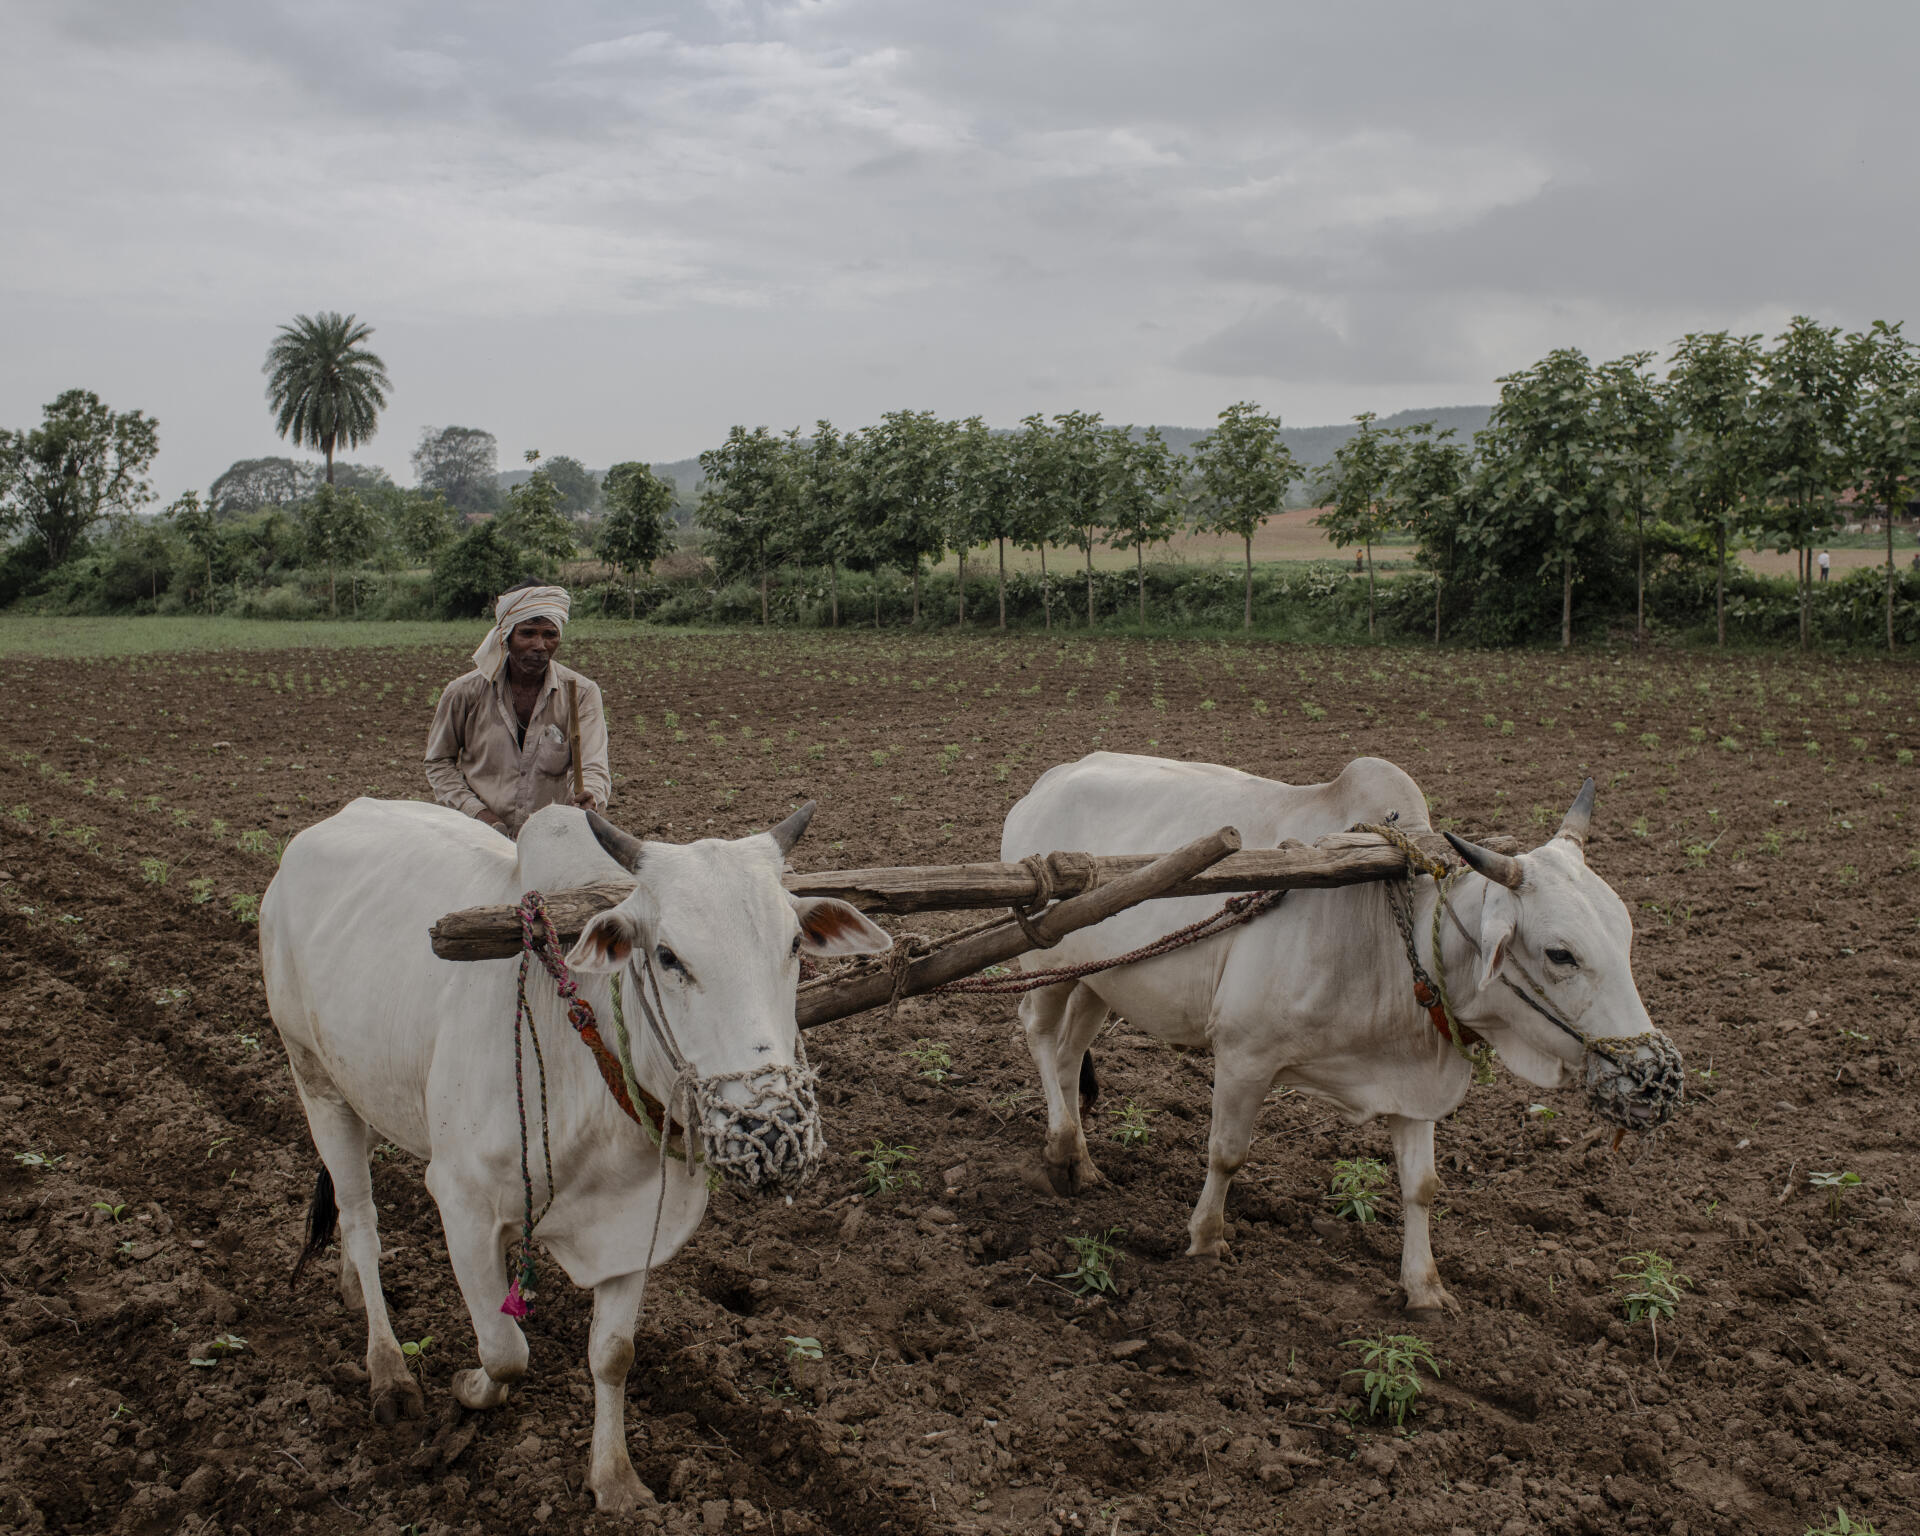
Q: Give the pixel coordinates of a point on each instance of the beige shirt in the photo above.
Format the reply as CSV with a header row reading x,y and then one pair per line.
x,y
476,760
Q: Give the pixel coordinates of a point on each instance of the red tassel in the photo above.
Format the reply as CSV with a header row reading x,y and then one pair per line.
x,y
515,1305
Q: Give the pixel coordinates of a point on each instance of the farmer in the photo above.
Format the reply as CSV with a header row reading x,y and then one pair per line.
x,y
1825,563
499,748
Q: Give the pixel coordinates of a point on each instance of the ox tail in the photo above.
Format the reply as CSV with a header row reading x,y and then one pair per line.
x,y
1089,1083
322,1217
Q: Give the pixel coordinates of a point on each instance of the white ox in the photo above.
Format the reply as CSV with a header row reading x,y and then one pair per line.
x,y
1318,993
387,1040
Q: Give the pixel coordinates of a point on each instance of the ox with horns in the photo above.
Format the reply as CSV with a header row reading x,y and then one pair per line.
x,y
1317,994
388,1042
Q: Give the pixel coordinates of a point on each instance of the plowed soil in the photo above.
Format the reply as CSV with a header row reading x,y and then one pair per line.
x,y
158,1374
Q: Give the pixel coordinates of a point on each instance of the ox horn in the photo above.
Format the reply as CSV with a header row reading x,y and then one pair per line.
x,y
624,848
791,830
1579,818
1497,867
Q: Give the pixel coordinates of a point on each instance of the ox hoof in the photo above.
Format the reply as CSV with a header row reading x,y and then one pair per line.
x,y
1071,1178
1431,1303
398,1400
476,1389
1209,1257
619,1492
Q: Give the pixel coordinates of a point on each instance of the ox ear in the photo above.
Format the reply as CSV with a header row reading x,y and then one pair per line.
x,y
830,928
1496,938
605,944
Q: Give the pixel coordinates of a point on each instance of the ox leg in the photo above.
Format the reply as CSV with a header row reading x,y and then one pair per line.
x,y
617,1488
476,1247
1061,1022
1236,1105
1419,1185
340,1135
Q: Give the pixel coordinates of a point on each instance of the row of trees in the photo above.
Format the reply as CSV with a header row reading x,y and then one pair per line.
x,y
913,487
1582,463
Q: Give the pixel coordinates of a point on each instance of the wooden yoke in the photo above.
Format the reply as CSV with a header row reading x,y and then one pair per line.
x,y
834,998
1345,858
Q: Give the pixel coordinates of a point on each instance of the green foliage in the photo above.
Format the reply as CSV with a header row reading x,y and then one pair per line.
x,y
83,463
1358,1184
1390,1366
802,1348
746,505
244,908
40,1162
1244,469
154,871
889,1168
534,520
326,388
462,465
1092,1272
413,1349
474,570
339,530
638,528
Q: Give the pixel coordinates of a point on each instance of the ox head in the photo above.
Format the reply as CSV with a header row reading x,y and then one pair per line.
x,y
711,926
1556,995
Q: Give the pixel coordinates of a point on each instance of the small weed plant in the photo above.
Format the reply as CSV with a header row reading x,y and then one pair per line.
x,y
1130,1125
1841,1525
1653,1289
154,871
1092,1272
889,1168
1358,1183
930,1059
413,1349
1389,1372
43,1162
244,908
802,1348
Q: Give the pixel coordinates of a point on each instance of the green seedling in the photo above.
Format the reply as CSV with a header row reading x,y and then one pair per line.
x,y
1131,1129
1092,1273
114,1212
802,1348
932,1060
201,890
223,1345
154,871
1653,1290
217,1143
45,1162
1835,1187
415,1348
1542,1113
1357,1185
245,908
1389,1369
1840,1525
887,1167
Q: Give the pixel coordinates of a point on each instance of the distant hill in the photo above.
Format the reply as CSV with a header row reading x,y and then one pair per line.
x,y
1312,446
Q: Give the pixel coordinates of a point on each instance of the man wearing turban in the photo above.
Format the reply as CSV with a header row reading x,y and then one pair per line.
x,y
499,749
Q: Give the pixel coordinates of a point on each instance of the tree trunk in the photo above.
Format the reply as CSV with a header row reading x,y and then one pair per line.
x,y
1003,581
1720,581
1370,628
333,604
876,596
629,601
1246,621
833,590
1640,578
1089,578
1566,601
963,589
763,597
1889,579
210,585
1436,609
916,592
1046,592
1140,578
328,445
1806,592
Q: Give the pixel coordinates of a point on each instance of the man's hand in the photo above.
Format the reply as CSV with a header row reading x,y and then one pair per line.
x,y
586,802
488,819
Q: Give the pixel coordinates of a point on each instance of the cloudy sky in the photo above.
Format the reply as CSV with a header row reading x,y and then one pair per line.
x,y
612,230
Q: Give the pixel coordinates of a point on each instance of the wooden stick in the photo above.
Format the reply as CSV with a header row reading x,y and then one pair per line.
x,y
1345,858
573,739
834,999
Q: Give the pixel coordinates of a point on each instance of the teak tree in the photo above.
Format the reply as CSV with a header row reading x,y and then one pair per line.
x,y
1245,469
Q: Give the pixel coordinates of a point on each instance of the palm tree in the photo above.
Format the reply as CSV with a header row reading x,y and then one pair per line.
x,y
324,386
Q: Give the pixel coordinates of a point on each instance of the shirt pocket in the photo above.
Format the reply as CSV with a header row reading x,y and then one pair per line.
x,y
551,756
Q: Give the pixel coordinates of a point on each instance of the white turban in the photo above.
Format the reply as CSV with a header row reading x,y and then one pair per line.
x,y
519,608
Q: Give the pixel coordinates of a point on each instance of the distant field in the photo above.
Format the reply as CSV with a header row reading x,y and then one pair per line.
x,y
1290,536
28,635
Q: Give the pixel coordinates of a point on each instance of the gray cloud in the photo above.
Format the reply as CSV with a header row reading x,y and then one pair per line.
x,y
613,232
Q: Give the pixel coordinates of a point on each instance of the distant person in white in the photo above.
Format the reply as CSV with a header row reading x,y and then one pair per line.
x,y
1825,561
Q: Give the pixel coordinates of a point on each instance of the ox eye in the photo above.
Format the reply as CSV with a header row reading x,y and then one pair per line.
x,y
669,959
796,945
1562,957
